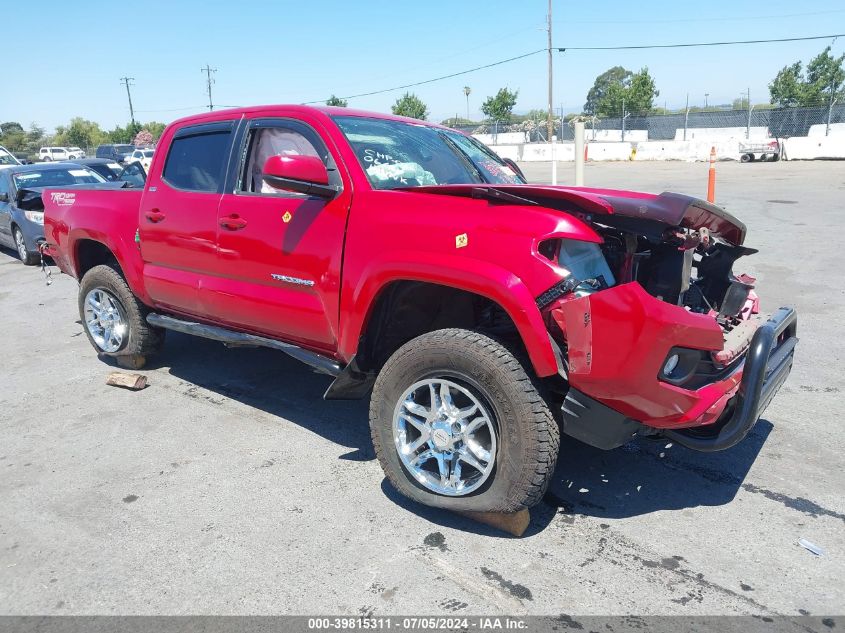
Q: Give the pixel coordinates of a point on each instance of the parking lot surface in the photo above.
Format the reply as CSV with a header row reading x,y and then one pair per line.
x,y
229,487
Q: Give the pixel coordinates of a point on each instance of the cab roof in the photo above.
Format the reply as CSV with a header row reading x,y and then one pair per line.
x,y
329,111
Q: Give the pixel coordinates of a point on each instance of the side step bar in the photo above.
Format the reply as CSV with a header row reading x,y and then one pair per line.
x,y
230,337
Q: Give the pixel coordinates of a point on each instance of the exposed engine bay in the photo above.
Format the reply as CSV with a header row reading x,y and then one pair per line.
x,y
687,267
684,267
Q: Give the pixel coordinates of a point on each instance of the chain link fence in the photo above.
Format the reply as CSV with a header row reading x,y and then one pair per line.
x,y
742,123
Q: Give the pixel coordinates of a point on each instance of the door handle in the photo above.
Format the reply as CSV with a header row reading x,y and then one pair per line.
x,y
233,222
154,215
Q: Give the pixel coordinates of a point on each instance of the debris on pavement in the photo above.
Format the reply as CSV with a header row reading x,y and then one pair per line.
x,y
811,547
135,382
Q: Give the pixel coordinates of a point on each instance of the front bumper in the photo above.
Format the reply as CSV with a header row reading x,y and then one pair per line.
x,y
767,365
617,341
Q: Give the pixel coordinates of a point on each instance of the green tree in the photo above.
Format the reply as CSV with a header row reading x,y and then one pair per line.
x,y
12,136
825,77
336,101
123,134
10,127
500,106
598,93
824,81
618,86
155,128
83,133
787,88
410,105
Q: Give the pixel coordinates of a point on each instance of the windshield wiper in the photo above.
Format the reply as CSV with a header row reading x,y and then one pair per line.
x,y
496,195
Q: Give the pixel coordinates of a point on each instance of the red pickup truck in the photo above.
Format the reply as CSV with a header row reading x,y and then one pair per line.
x,y
410,262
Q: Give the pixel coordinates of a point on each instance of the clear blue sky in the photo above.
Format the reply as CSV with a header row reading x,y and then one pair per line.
x,y
281,52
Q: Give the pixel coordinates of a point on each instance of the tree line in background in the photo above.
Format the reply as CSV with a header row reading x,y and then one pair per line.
x,y
78,133
618,91
614,92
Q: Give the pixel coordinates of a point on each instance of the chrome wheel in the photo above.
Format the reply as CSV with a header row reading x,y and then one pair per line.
x,y
445,437
105,320
21,245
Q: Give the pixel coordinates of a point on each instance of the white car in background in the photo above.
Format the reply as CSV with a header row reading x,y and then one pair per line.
x,y
60,153
143,156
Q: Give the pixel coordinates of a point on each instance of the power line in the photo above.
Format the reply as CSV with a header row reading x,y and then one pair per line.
x,y
208,70
126,82
428,81
577,48
624,48
711,19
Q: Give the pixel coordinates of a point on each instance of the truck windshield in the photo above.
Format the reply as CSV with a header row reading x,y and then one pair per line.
x,y
57,178
395,154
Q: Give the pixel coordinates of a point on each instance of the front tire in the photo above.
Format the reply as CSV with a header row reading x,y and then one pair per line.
x,y
26,256
114,320
457,423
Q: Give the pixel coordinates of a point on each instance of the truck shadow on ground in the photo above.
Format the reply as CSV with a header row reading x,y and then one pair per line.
x,y
642,477
270,381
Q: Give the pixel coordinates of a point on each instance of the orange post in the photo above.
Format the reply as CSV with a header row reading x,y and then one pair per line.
x,y
711,177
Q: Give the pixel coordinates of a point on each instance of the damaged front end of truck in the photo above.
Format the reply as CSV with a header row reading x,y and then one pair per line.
x,y
659,335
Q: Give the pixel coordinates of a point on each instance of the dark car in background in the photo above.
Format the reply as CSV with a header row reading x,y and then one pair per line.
x,y
116,153
21,207
133,174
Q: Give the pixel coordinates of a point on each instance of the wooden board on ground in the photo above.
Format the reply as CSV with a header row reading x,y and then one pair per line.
x,y
511,522
136,382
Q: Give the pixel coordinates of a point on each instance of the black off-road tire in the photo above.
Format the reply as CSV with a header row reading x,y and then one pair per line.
x,y
144,340
528,436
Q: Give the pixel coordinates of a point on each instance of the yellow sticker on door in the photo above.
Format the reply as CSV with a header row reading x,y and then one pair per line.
x,y
461,240
287,217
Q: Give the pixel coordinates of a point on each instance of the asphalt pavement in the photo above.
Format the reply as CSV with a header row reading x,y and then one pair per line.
x,y
229,487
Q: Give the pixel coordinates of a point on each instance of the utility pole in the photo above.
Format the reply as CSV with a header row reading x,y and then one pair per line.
x,y
830,105
126,82
750,107
208,70
623,118
706,94
467,90
686,118
549,126
561,122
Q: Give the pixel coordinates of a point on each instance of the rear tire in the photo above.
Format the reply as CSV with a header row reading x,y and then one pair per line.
x,y
746,158
517,449
114,320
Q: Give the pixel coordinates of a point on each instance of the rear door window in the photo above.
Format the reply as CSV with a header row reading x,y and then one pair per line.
x,y
197,161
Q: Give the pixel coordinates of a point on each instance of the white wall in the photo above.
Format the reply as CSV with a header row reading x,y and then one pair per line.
x,y
795,148
615,135
720,133
819,129
503,138
808,148
687,150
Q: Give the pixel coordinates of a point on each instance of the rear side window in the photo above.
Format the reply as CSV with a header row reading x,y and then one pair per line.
x,y
198,162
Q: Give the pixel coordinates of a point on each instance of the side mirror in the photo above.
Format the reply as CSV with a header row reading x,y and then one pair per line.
x,y
303,174
134,174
